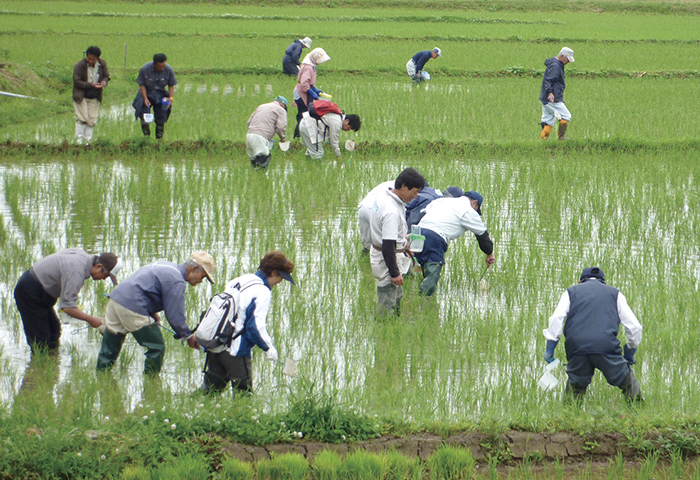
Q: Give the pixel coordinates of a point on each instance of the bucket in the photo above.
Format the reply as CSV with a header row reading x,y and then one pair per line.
x,y
416,240
148,117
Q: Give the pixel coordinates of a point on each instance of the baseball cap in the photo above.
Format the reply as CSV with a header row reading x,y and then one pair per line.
x,y
111,263
454,192
287,276
438,51
568,53
306,41
594,272
206,261
476,196
280,98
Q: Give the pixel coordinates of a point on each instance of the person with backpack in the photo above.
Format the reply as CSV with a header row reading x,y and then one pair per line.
x,y
134,307
415,64
266,120
305,90
290,61
252,292
323,123
447,219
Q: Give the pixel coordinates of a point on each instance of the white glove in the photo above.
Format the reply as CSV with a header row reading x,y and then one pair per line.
x,y
272,354
102,329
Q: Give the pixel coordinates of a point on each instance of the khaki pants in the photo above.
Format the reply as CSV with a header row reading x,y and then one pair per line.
x,y
122,320
86,111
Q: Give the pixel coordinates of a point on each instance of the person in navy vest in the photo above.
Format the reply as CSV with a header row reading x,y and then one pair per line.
x,y
589,314
415,64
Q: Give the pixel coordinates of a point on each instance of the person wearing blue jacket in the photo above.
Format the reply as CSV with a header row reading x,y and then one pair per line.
x,y
589,315
290,61
415,65
134,305
234,364
552,94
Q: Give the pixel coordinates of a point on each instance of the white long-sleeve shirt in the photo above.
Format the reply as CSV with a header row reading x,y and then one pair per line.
x,y
632,326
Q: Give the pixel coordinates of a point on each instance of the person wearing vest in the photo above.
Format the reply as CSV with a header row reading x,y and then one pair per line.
x,y
589,315
90,77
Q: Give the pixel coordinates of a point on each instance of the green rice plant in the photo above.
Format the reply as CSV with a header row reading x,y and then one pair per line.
x,y
187,467
290,466
451,463
136,472
361,464
233,469
326,465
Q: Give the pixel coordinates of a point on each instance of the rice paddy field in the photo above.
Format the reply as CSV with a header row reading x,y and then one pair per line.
x,y
620,194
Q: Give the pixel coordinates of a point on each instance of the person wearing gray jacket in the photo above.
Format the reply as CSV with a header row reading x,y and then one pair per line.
x,y
266,120
589,315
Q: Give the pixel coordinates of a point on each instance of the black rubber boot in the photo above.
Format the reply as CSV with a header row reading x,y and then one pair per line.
x,y
146,129
574,393
159,131
630,388
431,276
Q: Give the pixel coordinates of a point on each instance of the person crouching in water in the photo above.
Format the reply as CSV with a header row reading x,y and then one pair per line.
x,y
234,364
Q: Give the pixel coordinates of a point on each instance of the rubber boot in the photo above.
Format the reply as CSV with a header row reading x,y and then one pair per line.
x,y
79,133
574,393
109,351
546,130
630,388
151,338
261,161
88,134
431,276
145,128
159,131
562,129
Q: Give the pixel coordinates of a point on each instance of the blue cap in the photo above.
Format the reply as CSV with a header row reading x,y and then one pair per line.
x,y
592,272
475,196
280,98
287,276
454,192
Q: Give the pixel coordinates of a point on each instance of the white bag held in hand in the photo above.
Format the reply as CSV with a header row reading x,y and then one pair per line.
x,y
350,145
217,327
549,381
148,117
284,146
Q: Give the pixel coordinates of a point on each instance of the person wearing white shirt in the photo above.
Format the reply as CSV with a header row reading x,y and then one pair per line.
x,y
388,233
589,315
447,219
364,212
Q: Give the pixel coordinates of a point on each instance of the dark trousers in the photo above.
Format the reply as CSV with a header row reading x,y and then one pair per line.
x,y
36,307
301,108
581,368
149,337
160,113
222,368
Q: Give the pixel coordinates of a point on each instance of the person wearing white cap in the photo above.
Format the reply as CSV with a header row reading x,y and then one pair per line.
x,y
552,94
134,305
305,90
60,275
290,61
234,364
415,65
266,120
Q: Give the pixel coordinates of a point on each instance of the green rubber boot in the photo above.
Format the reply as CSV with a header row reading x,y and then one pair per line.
x,y
151,338
431,276
109,351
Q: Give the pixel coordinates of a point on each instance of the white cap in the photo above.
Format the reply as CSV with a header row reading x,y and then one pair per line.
x,y
568,53
438,51
306,41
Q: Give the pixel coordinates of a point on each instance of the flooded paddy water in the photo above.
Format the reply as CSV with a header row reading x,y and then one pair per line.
x,y
468,353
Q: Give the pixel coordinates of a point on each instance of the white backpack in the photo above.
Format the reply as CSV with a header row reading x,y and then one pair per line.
x,y
217,327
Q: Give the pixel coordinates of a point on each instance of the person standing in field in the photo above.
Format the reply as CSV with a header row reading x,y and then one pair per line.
x,y
90,77
388,255
290,61
552,94
315,132
415,65
589,315
266,120
447,219
134,305
60,275
364,212
305,90
156,82
234,364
